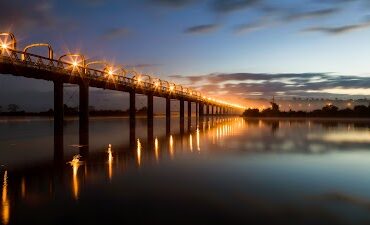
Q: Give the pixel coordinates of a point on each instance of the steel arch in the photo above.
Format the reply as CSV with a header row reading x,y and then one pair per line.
x,y
50,52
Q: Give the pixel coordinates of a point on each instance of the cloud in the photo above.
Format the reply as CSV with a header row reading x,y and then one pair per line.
x,y
115,33
339,29
143,65
171,3
191,79
201,29
225,6
291,84
26,14
249,27
311,14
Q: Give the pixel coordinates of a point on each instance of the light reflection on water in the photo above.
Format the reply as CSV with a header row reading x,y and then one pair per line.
x,y
220,171
5,202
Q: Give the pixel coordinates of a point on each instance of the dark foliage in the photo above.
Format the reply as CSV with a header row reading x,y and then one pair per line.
x,y
326,111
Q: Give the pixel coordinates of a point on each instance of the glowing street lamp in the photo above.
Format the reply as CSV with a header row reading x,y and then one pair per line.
x,y
74,62
4,46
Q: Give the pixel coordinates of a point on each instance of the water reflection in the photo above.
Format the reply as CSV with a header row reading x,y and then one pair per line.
x,y
198,140
5,201
248,168
156,149
23,188
138,152
110,161
75,164
191,142
172,152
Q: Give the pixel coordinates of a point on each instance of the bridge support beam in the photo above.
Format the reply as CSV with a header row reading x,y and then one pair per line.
x,y
58,121
189,115
132,106
84,118
201,109
196,109
207,110
132,114
213,107
181,115
150,117
168,115
58,105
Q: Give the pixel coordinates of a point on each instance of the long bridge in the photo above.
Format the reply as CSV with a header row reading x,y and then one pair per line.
x,y
73,68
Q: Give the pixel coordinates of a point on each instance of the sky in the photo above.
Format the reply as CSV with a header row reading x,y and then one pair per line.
x,y
229,49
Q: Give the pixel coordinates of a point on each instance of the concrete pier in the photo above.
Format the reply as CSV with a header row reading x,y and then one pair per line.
x,y
150,120
168,116
189,115
182,115
84,119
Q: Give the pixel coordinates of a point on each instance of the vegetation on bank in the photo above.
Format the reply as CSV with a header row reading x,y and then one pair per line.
x,y
360,111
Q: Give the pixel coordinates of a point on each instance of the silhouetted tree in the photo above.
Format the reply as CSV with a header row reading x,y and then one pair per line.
x,y
330,109
13,108
251,112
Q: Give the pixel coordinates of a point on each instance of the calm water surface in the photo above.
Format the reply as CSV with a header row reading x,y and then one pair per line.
x,y
228,171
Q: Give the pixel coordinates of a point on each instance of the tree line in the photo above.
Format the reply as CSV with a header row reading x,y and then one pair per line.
x,y
360,111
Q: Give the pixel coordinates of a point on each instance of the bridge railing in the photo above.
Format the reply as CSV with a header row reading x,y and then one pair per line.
x,y
59,66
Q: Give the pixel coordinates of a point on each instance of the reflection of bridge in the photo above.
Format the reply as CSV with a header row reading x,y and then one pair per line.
x,y
74,69
49,173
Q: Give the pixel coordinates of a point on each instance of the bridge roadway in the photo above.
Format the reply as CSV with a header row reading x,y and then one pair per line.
x,y
74,69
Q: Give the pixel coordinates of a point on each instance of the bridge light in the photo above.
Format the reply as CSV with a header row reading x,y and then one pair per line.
x,y
110,72
4,46
74,63
156,84
171,88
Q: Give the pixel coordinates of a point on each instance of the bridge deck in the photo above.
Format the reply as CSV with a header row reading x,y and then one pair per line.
x,y
39,67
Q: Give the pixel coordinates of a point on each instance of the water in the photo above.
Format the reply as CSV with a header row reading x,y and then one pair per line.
x,y
229,171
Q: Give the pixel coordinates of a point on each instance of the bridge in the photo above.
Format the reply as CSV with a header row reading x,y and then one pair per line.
x,y
73,68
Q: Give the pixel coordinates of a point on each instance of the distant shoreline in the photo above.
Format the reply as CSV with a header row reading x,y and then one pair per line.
x,y
310,118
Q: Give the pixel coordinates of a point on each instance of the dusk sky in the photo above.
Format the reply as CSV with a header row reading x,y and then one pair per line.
x,y
234,48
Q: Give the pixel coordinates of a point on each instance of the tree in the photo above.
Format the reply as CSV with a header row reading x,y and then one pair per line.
x,y
251,112
13,108
330,108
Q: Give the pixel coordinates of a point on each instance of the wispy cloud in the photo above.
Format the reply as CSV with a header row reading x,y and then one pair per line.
x,y
252,26
339,29
291,84
311,14
225,6
201,29
114,33
26,14
171,3
143,65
